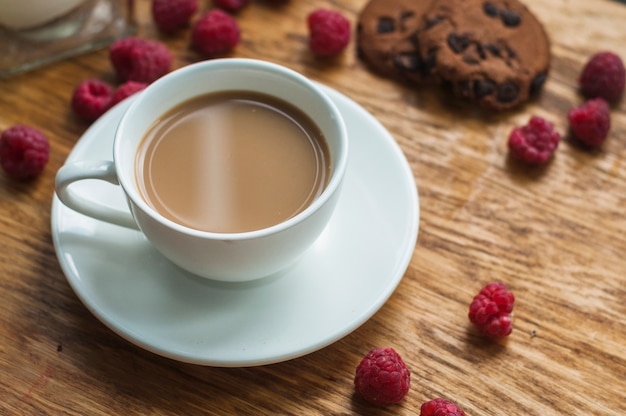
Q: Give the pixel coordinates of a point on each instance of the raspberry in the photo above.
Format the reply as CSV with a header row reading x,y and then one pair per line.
x,y
24,151
329,32
216,32
141,60
491,310
91,99
535,142
172,15
440,407
231,5
591,121
603,76
126,90
382,377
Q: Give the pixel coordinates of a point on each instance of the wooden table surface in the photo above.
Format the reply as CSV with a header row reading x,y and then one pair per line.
x,y
555,235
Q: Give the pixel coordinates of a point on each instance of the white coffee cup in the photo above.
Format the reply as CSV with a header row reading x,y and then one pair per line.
x,y
221,256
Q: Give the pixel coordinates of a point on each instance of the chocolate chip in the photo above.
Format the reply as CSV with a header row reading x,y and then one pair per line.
x,y
510,18
490,9
480,51
484,87
413,62
537,83
511,53
470,60
408,62
494,49
432,21
385,25
404,17
414,39
458,43
507,92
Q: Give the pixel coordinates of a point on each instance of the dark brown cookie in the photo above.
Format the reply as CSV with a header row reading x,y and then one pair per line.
x,y
382,26
494,52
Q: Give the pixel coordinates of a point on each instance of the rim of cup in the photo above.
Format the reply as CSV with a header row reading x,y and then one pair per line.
x,y
339,159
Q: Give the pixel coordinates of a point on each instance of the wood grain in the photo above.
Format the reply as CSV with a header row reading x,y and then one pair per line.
x,y
556,235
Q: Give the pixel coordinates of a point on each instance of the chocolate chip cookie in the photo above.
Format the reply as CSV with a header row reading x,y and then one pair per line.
x,y
494,52
383,36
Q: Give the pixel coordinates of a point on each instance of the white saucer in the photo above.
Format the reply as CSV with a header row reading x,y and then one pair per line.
x,y
346,277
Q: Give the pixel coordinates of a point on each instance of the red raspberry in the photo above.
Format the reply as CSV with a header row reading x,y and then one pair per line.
x,y
603,76
24,151
91,99
329,32
215,33
440,407
535,142
172,15
382,377
591,121
141,60
491,310
231,5
126,90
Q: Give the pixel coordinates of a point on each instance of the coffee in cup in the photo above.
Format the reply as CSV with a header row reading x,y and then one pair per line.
x,y
231,162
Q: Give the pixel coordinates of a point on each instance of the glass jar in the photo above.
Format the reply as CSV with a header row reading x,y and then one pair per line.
x,y
38,32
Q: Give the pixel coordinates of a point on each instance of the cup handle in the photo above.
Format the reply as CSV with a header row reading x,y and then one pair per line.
x,y
97,169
